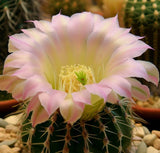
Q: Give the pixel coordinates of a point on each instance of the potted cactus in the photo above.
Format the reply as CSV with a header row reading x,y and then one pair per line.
x,y
76,79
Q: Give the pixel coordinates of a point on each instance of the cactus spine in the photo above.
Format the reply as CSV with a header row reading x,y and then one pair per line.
x,y
110,131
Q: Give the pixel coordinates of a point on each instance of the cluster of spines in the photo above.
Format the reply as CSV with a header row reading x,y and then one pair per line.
x,y
108,132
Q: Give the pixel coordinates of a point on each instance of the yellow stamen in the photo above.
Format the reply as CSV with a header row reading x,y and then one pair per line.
x,y
72,78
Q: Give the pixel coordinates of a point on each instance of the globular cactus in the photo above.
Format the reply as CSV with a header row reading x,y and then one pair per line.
x,y
110,131
13,14
143,17
66,7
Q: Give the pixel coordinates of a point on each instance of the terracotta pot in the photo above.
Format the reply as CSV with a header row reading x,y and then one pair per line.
x,y
147,113
8,106
150,116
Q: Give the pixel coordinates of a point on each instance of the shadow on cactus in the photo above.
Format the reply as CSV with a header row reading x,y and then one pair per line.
x,y
76,79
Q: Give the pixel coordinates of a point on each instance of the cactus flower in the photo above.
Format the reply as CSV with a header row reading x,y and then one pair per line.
x,y
74,63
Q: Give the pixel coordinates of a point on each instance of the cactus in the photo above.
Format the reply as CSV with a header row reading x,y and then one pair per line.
x,y
143,17
110,131
13,14
66,7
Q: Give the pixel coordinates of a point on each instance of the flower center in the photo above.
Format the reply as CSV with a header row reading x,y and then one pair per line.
x,y
72,78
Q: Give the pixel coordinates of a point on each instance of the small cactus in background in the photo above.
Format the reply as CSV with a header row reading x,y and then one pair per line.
x,y
13,14
66,7
144,18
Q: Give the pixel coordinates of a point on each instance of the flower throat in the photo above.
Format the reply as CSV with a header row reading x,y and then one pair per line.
x,y
72,78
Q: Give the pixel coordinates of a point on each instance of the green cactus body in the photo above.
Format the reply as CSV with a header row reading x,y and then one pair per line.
x,y
13,14
110,131
66,7
144,18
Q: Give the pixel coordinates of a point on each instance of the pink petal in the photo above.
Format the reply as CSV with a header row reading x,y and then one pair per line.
x,y
70,110
97,19
60,23
100,90
39,114
128,68
106,25
129,51
100,44
82,96
33,104
80,21
118,84
128,38
17,91
109,45
152,71
77,38
77,112
18,59
34,85
99,32
48,48
51,101
113,98
26,71
48,28
43,25
21,42
139,91
41,42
